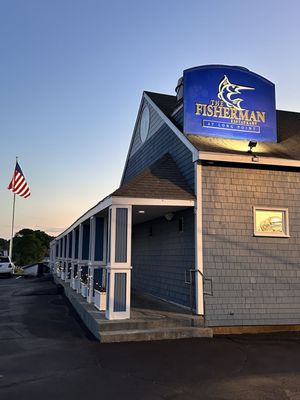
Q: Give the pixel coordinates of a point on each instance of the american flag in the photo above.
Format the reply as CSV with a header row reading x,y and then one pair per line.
x,y
18,184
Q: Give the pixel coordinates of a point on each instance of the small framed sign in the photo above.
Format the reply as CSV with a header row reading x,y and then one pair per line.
x,y
271,222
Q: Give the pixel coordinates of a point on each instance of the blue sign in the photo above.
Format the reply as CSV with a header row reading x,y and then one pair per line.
x,y
229,102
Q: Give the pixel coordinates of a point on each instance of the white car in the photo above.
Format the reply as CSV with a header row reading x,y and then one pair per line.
x,y
6,265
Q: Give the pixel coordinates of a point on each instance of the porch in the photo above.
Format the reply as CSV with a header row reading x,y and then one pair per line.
x,y
95,255
151,319
102,248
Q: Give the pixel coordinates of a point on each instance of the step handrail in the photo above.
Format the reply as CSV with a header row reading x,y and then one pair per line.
x,y
190,281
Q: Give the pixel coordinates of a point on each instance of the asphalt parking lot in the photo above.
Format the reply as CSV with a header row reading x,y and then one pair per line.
x,y
46,353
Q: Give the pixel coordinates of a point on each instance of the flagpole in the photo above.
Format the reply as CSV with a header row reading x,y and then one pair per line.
x,y
13,219
12,228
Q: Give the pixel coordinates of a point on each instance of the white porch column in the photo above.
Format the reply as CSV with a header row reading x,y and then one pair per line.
x,y
199,242
59,260
58,254
67,260
118,282
80,243
73,259
90,296
63,272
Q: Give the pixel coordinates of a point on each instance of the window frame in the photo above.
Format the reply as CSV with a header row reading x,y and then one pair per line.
x,y
285,222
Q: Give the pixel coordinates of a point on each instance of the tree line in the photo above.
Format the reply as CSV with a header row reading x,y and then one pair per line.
x,y
29,246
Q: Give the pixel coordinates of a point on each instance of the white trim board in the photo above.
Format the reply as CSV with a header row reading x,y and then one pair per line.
x,y
247,159
151,202
199,290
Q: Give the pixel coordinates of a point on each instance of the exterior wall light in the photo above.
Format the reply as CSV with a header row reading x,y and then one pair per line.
x,y
141,211
251,145
169,216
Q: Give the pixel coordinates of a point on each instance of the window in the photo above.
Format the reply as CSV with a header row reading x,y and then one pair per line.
x,y
271,221
144,124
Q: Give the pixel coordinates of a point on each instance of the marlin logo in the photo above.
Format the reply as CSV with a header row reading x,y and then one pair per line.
x,y
227,90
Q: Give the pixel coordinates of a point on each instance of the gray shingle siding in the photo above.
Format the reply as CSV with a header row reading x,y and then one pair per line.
x,y
163,141
159,261
256,280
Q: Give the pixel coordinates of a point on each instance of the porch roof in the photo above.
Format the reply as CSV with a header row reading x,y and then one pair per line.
x,y
161,180
160,184
285,152
287,146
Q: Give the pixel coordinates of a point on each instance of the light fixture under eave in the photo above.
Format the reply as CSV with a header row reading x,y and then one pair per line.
x,y
169,216
141,211
251,145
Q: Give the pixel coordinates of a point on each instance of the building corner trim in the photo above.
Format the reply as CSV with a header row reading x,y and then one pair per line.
x,y
199,292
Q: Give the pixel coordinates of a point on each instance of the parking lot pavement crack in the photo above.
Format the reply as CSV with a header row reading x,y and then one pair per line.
x,y
243,350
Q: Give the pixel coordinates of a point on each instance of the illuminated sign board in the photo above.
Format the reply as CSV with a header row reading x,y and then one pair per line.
x,y
229,102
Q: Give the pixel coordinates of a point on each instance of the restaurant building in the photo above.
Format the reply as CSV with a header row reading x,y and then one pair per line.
x,y
207,215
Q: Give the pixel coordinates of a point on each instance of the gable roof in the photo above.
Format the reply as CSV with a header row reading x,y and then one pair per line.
x,y
165,102
288,135
287,146
162,179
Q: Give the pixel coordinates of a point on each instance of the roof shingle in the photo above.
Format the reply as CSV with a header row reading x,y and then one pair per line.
x,y
288,134
161,180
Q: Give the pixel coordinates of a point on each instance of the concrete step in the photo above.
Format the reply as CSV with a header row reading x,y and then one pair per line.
x,y
139,324
155,334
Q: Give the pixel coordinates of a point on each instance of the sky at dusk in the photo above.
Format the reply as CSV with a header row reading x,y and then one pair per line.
x,y
73,73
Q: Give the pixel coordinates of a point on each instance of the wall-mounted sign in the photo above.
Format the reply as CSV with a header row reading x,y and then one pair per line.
x,y
229,102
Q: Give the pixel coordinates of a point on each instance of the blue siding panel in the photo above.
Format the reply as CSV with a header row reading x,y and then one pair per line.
x,y
99,239
76,242
61,248
160,255
70,244
120,292
86,242
65,246
121,235
107,290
